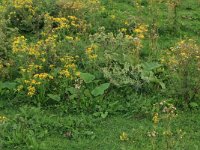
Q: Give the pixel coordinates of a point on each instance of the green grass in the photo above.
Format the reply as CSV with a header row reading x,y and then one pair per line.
x,y
107,131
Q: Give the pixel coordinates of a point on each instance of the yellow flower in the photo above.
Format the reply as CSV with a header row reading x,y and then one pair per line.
x,y
51,66
43,59
33,81
66,73
69,38
19,44
72,17
113,17
155,118
123,29
20,87
31,91
26,81
126,23
78,74
22,3
141,36
124,136
3,119
90,51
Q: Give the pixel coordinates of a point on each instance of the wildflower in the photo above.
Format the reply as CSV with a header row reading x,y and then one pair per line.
x,y
124,136
78,74
140,30
51,66
66,73
20,87
123,29
155,118
69,38
72,17
31,91
3,119
43,59
167,133
113,17
19,44
126,23
90,51
22,3
152,134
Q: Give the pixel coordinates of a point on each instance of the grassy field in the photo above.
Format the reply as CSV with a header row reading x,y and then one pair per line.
x,y
105,133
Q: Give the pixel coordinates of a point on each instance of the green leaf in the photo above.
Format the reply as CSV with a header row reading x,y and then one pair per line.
x,y
72,90
87,77
104,115
193,104
7,85
100,89
54,97
151,66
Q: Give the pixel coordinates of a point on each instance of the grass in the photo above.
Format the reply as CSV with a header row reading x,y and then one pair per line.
x,y
106,133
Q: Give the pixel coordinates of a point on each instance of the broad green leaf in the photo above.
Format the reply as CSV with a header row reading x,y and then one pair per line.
x,y
7,85
100,89
151,66
72,90
193,104
87,77
104,115
54,97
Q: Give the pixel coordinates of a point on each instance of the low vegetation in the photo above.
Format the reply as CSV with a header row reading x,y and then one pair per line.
x,y
99,74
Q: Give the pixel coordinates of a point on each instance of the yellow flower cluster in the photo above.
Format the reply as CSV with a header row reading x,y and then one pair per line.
x,y
155,118
91,52
19,44
183,53
43,76
124,136
70,68
62,23
70,71
140,31
31,68
31,91
22,3
3,119
31,84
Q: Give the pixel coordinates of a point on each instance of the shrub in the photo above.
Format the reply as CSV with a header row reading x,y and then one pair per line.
x,y
183,60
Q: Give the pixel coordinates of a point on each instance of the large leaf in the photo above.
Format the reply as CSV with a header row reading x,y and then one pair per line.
x,y
194,105
54,97
151,66
7,85
100,89
87,77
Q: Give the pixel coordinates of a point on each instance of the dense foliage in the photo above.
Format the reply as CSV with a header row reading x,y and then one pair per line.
x,y
91,57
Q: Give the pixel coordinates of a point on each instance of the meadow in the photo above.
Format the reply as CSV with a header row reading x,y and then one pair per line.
x,y
99,74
